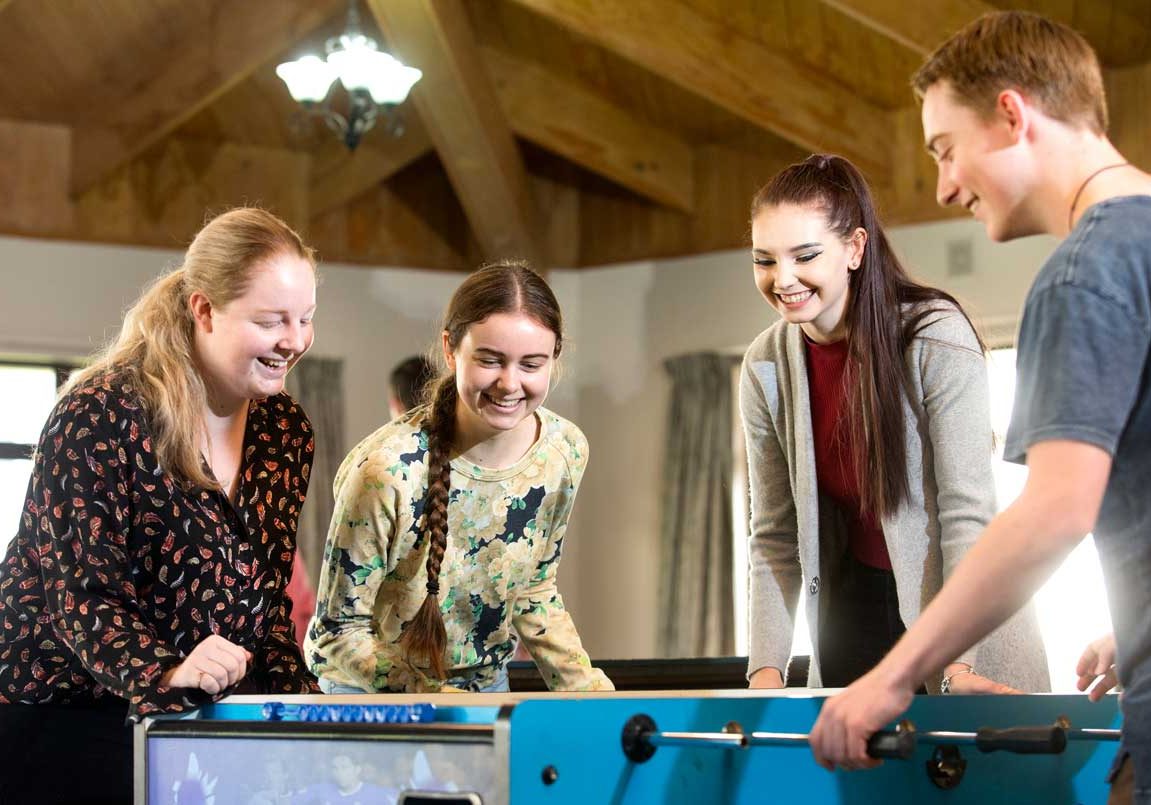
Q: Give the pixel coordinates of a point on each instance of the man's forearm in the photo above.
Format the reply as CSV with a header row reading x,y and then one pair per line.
x,y
1019,550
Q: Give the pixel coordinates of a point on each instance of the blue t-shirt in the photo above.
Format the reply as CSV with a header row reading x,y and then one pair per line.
x,y
1084,375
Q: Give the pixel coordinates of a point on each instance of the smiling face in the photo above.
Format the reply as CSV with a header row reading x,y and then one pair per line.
x,y
983,162
803,269
246,347
503,368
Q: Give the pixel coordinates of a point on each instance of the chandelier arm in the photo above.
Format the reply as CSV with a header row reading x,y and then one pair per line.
x,y
334,121
362,111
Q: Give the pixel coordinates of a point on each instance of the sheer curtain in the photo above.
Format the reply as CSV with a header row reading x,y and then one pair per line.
x,y
697,616
317,384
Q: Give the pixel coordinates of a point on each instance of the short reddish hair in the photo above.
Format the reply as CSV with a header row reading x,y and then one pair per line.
x,y
1053,65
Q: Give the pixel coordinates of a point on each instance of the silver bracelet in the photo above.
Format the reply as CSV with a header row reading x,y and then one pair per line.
x,y
945,685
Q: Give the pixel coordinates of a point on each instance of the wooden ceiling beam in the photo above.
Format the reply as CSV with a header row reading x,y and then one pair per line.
x,y
382,228
243,37
917,26
158,200
578,124
910,197
545,108
462,114
719,62
338,176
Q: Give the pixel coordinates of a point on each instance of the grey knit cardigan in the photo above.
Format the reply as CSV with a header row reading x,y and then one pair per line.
x,y
949,452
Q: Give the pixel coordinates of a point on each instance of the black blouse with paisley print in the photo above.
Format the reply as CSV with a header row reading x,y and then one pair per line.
x,y
117,572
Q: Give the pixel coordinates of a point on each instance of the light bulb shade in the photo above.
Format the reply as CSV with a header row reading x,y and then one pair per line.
x,y
362,67
392,80
308,78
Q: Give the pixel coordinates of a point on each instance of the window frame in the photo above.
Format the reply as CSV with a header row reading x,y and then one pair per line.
x,y
16,451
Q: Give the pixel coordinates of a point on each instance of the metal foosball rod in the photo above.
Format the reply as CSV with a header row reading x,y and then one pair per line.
x,y
699,740
641,738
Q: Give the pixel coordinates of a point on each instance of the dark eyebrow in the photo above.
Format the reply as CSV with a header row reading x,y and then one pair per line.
x,y
495,353
801,247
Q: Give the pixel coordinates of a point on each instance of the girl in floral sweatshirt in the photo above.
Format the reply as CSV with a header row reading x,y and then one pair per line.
x,y
448,525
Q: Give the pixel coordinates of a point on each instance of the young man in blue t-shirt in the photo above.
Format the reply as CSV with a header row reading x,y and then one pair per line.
x,y
1015,116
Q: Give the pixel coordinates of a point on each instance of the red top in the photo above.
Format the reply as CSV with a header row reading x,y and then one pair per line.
x,y
303,598
834,470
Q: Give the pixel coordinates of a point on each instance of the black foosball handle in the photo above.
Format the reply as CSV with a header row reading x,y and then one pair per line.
x,y
892,744
1051,740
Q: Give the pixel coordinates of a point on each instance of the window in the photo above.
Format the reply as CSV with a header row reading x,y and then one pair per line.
x,y
28,394
1072,605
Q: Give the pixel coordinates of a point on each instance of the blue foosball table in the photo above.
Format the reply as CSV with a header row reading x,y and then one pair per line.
x,y
655,747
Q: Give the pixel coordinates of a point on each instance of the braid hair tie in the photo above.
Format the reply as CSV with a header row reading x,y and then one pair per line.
x,y
433,588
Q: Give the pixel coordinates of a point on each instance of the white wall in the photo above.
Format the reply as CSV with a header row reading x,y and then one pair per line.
x,y
994,292
62,299
635,317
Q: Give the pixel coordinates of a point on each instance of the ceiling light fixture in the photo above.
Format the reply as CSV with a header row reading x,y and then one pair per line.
x,y
376,82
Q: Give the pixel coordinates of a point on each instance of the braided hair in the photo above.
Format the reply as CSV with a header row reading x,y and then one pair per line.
x,y
503,287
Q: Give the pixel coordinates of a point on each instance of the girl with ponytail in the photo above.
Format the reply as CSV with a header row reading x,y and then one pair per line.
x,y
869,443
448,524
148,571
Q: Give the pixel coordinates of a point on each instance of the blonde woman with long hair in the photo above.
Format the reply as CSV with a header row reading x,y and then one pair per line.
x,y
148,572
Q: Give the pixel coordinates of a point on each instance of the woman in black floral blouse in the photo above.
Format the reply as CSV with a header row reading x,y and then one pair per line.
x,y
149,570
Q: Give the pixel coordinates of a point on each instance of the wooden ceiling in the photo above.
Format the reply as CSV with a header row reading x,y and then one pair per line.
x,y
570,132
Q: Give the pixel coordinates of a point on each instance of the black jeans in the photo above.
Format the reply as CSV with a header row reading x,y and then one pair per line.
x,y
859,621
57,753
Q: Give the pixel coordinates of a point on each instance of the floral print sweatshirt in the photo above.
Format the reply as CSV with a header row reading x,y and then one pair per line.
x,y
505,532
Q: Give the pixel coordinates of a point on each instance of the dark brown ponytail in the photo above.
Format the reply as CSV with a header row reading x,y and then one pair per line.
x,y
507,287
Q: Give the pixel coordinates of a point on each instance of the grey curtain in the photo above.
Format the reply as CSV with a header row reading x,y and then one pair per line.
x,y
318,386
697,608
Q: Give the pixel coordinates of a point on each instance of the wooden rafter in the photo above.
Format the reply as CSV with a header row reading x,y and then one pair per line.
x,y
339,176
565,118
917,26
673,39
462,114
160,200
547,109
189,81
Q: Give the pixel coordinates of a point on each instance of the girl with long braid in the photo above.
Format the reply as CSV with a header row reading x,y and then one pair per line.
x,y
446,535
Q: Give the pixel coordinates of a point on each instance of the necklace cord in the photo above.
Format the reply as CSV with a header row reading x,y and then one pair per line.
x,y
1082,187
